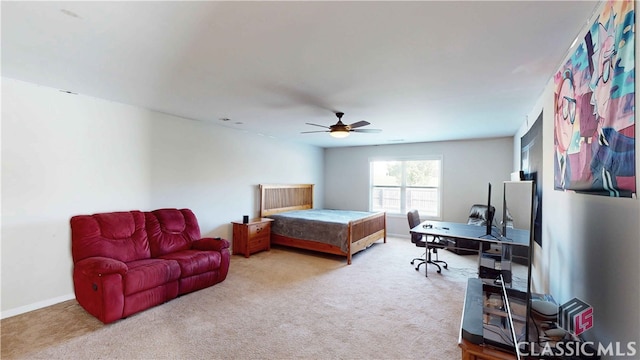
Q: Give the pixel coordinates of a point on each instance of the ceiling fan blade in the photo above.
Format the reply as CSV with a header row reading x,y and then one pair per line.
x,y
309,132
322,126
359,124
367,130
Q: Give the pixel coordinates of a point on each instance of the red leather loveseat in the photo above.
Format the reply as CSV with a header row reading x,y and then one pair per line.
x,y
126,262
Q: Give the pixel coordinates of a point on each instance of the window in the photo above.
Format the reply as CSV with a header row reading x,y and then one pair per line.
x,y
400,185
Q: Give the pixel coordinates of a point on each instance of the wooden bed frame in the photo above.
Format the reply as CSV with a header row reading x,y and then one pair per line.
x,y
275,199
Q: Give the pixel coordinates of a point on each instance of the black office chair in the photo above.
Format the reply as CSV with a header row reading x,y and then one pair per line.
x,y
420,241
477,216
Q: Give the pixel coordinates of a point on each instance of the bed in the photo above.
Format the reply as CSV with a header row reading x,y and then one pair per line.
x,y
297,224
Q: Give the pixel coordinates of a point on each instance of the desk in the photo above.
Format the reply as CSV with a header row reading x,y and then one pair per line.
x,y
443,229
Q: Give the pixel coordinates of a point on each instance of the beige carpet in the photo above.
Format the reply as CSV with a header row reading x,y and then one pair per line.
x,y
281,304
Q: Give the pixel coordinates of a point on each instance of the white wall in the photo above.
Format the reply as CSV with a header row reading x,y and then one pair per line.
x,y
216,171
61,155
467,168
590,244
64,155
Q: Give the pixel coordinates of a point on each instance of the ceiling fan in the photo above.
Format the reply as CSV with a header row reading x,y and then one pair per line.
x,y
340,130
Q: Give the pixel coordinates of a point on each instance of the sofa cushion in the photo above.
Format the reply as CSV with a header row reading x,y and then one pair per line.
x,y
149,273
117,235
194,262
171,230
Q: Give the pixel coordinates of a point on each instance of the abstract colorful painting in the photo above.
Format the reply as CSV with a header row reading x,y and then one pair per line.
x,y
594,129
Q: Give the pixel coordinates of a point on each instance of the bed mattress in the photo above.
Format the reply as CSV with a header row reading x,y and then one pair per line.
x,y
321,225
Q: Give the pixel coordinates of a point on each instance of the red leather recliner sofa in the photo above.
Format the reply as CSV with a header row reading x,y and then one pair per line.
x,y
126,262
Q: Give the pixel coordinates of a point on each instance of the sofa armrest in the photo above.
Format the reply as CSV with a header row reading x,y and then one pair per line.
x,y
100,266
210,244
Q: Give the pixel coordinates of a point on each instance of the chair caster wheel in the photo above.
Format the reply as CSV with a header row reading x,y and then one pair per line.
x,y
439,271
446,266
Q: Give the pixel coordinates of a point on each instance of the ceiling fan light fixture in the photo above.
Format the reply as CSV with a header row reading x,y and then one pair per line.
x,y
340,130
340,133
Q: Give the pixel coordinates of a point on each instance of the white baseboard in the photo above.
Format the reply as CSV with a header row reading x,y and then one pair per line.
x,y
403,235
35,306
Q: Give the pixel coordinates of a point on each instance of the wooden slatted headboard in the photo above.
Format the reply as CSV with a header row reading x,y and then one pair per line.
x,y
277,198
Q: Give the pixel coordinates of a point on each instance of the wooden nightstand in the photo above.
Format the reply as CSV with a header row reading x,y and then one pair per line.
x,y
252,237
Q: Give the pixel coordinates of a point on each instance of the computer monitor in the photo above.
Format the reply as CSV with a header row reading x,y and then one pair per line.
x,y
490,212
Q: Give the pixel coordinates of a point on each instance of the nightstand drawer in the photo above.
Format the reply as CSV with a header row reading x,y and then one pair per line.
x,y
259,229
258,243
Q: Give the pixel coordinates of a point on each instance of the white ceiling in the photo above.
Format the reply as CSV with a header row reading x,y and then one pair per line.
x,y
420,71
